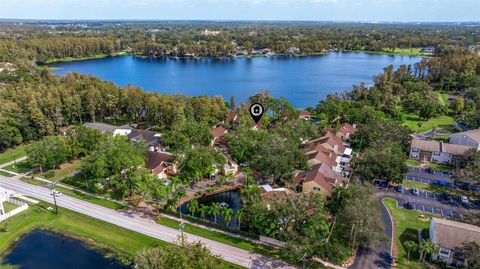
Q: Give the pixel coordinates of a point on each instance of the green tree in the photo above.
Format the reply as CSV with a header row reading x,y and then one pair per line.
x,y
48,153
199,163
227,214
183,255
193,207
214,210
410,245
203,211
471,171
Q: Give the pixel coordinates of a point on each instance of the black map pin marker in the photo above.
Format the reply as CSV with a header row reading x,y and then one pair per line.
x,y
256,111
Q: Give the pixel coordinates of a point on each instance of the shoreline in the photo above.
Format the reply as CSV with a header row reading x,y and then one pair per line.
x,y
123,53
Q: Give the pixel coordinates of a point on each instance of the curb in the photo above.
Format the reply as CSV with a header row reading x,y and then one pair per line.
x,y
393,240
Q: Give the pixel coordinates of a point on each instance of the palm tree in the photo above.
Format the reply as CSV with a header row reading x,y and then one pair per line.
x,y
215,210
227,214
239,216
193,207
203,210
426,247
409,246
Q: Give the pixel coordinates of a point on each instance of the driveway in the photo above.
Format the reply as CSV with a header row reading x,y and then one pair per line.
x,y
142,225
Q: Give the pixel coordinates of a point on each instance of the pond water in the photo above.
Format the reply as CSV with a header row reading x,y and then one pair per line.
x,y
302,80
231,199
46,250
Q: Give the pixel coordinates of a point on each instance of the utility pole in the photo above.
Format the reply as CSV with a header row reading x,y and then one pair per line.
x,y
54,199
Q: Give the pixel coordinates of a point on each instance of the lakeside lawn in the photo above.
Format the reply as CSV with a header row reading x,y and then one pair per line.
x,y
71,59
406,224
116,241
411,120
397,51
12,153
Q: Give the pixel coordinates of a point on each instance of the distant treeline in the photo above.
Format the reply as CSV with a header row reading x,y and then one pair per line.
x,y
43,42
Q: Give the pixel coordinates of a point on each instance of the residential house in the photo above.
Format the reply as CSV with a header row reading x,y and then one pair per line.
x,y
217,133
320,178
152,139
346,130
305,115
161,163
469,138
293,50
115,130
232,116
450,237
63,130
438,152
323,155
328,141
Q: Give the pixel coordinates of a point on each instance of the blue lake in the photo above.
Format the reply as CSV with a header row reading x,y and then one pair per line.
x,y
302,80
46,250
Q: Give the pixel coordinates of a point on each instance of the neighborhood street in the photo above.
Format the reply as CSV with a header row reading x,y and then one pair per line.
x,y
144,226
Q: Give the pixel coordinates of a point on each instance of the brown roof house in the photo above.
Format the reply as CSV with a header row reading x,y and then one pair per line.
x,y
323,155
217,133
161,164
328,141
346,130
438,152
152,139
450,237
232,116
320,178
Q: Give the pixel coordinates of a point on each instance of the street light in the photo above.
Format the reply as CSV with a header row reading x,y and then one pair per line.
x,y
54,199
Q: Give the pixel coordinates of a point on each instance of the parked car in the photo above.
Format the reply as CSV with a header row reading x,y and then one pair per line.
x,y
415,191
430,170
408,205
399,188
384,184
464,200
56,193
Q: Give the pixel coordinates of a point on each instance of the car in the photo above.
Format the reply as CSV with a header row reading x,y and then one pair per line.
x,y
384,184
430,170
414,191
56,193
464,200
408,205
399,188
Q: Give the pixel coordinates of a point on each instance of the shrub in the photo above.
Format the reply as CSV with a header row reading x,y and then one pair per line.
x,y
49,174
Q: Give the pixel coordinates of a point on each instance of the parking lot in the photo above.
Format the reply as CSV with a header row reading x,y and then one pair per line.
x,y
430,176
440,204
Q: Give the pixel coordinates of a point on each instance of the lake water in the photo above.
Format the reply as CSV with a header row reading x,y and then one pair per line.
x,y
232,199
46,250
302,80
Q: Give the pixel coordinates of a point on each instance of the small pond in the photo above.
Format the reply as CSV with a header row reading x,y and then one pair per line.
x,y
230,199
48,250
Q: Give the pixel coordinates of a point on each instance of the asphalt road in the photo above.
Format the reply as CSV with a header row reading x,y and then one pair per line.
x,y
144,226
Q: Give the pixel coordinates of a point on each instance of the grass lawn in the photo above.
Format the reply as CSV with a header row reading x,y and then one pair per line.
x,y
33,181
64,170
5,174
9,154
118,241
406,225
71,59
434,188
411,119
20,167
398,51
413,163
429,165
89,198
9,206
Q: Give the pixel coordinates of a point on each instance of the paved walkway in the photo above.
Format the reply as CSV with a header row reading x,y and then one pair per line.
x,y
142,225
12,162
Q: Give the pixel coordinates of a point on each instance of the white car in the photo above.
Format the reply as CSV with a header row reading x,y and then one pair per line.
x,y
415,191
464,199
56,193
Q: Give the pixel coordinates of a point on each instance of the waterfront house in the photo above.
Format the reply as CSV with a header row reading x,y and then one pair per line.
x,y
470,138
428,50
427,151
450,236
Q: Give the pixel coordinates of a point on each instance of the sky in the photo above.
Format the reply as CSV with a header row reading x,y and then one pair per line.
x,y
311,10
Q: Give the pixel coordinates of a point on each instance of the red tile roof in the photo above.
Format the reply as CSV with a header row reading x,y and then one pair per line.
x,y
218,131
323,156
304,113
156,161
347,128
232,116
